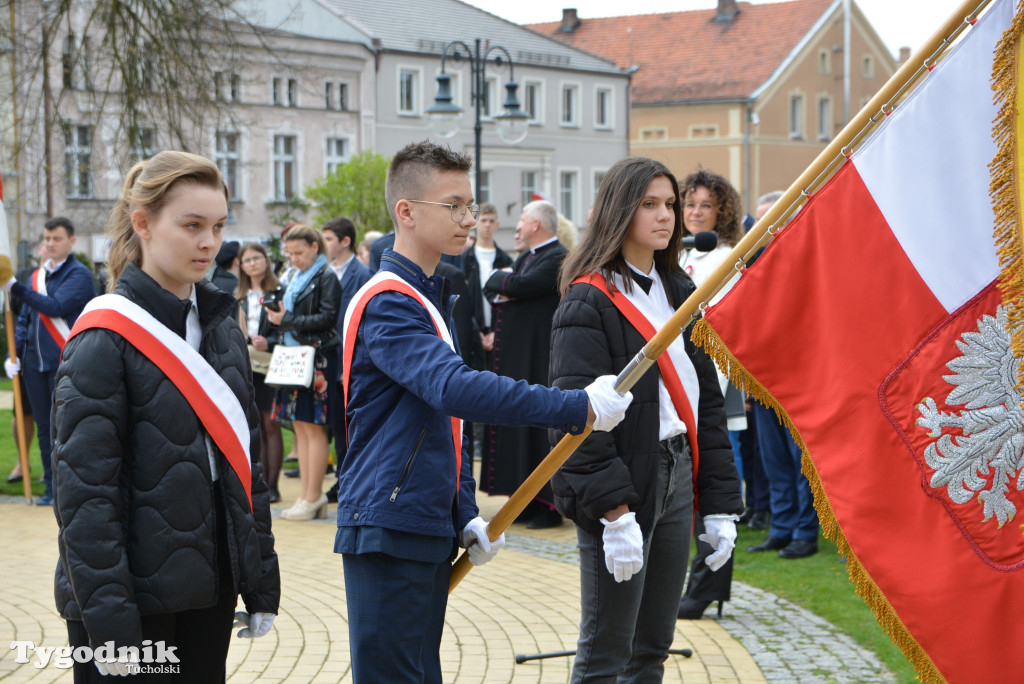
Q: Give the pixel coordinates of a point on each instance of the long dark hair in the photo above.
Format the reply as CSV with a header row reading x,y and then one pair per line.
x,y
729,223
622,189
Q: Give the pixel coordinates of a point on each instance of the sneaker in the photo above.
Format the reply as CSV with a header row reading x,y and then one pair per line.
x,y
44,500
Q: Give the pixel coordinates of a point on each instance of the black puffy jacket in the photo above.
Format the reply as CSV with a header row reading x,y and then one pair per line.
x,y
314,317
590,338
133,493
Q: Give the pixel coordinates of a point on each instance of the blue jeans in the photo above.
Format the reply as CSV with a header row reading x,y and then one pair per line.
x,y
627,628
792,504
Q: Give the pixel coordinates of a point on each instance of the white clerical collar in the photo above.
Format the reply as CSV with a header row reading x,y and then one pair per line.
x,y
543,244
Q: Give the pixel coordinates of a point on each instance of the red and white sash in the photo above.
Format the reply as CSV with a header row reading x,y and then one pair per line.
x,y
57,327
214,403
669,373
385,281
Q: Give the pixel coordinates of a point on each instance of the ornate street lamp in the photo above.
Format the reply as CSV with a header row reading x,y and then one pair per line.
x,y
512,124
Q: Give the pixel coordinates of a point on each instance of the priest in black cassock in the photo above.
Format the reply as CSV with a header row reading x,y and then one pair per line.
x,y
523,300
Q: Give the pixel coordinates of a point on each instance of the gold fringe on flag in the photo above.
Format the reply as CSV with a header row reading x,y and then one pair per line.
x,y
1006,176
705,337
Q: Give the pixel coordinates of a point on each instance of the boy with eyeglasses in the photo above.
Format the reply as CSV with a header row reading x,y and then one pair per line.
x,y
407,495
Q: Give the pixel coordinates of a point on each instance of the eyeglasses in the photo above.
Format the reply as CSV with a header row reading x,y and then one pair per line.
x,y
253,260
458,209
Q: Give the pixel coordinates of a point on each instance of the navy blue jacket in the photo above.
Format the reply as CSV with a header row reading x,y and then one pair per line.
x,y
69,289
354,277
399,472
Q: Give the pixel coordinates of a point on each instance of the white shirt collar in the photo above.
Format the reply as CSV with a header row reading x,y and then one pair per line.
x,y
51,267
543,244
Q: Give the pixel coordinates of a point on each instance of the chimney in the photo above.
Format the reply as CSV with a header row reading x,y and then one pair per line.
x,y
726,10
569,20
904,54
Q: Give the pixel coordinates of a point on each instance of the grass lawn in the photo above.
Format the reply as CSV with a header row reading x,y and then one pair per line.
x,y
818,583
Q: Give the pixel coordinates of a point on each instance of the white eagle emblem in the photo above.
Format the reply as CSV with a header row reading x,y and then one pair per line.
x,y
989,451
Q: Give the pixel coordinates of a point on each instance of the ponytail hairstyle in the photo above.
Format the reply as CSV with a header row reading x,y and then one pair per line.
x,y
147,187
310,236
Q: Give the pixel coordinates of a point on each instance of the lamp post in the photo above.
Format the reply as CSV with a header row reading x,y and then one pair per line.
x,y
512,124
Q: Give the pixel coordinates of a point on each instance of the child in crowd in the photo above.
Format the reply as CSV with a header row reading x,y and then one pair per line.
x,y
163,516
406,499
632,491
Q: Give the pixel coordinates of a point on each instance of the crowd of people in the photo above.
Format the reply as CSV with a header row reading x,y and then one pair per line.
x,y
433,346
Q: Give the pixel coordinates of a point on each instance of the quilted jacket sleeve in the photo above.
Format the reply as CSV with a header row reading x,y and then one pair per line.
x,y
90,420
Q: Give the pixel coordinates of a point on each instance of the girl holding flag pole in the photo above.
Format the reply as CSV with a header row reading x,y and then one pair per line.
x,y
632,491
164,519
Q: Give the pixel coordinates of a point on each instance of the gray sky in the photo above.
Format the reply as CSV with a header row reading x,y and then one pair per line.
x,y
898,22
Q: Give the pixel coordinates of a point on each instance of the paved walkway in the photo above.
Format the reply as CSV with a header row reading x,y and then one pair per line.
x,y
524,602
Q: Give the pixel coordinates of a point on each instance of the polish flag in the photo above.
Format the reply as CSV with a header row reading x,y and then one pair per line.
x,y
6,265
873,322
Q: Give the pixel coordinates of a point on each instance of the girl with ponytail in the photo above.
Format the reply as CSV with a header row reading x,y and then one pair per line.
x,y
164,519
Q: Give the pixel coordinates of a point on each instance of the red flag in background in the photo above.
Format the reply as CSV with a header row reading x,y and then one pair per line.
x,y
874,324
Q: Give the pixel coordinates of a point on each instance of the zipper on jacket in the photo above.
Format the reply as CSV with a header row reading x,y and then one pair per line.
x,y
408,465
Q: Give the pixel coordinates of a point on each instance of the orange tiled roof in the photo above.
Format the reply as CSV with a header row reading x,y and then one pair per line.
x,y
685,56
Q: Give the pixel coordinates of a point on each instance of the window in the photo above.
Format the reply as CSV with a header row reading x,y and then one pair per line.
x,y
824,62
67,62
228,87
528,183
796,116
337,153
343,96
598,177
483,193
227,158
143,144
236,88
654,133
293,93
77,162
824,118
867,67
408,92
275,91
328,95
533,105
489,105
570,105
567,182
704,132
603,108
285,167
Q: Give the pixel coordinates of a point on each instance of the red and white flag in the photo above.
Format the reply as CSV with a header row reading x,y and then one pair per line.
x,y
874,324
6,265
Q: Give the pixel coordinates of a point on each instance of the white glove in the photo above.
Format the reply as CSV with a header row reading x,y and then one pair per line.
x,y
8,285
478,545
119,667
253,626
623,546
719,532
12,368
609,406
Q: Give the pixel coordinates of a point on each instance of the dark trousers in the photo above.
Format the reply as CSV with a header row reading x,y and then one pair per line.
x,y
396,611
753,468
201,637
792,503
40,396
704,583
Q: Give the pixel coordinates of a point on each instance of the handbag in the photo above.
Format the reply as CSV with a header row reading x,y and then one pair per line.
x,y
291,367
259,360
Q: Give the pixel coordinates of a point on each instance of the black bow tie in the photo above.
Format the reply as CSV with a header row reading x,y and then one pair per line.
x,y
643,281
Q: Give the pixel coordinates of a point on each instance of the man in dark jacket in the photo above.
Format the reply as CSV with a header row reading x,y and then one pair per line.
x,y
225,275
524,298
478,263
60,290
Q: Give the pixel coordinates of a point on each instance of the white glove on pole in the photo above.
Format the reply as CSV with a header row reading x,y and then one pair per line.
x,y
119,667
253,626
720,533
8,285
609,406
623,546
12,368
477,544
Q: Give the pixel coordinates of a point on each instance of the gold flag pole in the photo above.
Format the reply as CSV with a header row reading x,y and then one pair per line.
x,y
760,234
